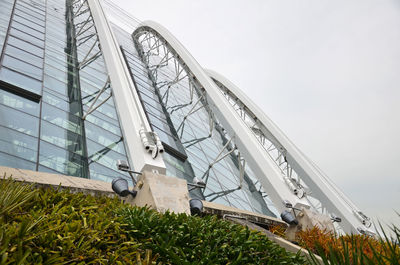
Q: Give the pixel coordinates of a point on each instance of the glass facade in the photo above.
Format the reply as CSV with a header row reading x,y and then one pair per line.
x,y
51,71
52,74
192,145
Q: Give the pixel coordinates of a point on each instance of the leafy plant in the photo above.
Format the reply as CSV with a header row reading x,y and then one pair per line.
x,y
182,239
50,226
13,196
351,249
54,226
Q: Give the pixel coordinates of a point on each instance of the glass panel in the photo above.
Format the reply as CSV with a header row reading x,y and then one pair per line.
x,y
106,110
61,160
31,19
18,144
55,84
103,124
61,118
32,4
12,161
58,74
157,122
27,57
30,12
20,80
100,172
168,139
28,30
103,137
24,21
101,116
103,155
61,137
22,67
20,103
26,37
55,101
25,46
18,121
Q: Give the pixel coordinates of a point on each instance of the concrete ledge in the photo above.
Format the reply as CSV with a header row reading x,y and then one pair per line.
x,y
223,210
89,186
289,246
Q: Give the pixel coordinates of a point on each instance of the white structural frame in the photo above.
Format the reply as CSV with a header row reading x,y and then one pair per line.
x,y
266,169
132,116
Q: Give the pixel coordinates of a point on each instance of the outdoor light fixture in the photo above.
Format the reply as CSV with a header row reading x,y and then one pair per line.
x,y
289,218
120,187
196,206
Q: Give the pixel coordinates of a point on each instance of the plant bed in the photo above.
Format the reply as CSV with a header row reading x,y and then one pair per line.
x,y
55,226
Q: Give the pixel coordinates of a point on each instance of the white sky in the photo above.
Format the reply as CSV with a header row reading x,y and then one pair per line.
x,y
326,72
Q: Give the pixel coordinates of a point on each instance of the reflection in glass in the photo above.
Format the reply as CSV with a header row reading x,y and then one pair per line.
x,y
16,102
20,80
18,121
62,160
12,161
18,144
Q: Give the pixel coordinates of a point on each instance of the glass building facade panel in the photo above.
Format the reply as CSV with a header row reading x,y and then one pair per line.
x,y
58,115
167,109
47,86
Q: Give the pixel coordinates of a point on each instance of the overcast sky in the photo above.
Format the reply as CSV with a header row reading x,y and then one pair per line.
x,y
326,72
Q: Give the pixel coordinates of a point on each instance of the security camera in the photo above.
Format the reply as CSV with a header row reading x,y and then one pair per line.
x,y
123,165
120,187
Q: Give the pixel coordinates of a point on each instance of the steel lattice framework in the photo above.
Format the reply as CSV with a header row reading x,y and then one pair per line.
x,y
284,172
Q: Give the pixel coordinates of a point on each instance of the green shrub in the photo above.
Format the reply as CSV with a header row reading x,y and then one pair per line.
x,y
182,239
48,226
58,227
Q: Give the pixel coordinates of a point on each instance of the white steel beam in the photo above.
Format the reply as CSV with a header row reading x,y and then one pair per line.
x,y
265,170
129,107
321,187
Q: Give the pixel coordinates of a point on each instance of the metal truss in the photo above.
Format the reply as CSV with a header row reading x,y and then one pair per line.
x,y
281,167
280,155
168,72
272,147
87,41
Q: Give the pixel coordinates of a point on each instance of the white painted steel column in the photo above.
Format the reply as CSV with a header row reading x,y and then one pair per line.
x,y
320,186
266,171
130,110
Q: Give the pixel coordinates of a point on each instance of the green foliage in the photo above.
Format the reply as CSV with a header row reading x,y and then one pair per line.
x,y
57,227
182,239
13,196
48,226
